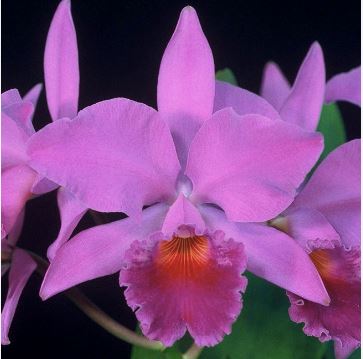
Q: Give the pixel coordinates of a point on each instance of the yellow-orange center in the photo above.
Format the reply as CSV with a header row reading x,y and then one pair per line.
x,y
183,257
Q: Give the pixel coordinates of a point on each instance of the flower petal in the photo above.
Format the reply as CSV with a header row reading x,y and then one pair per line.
x,y
272,255
22,267
21,113
61,64
10,97
304,104
192,283
186,80
242,101
274,88
334,190
71,211
250,165
343,352
13,143
16,184
116,165
182,212
98,251
43,185
307,225
340,270
344,87
33,94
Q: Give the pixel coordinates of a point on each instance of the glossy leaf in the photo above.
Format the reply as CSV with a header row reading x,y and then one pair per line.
x,y
331,125
226,75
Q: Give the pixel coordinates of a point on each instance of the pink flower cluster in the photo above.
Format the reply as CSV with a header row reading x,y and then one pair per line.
x,y
214,182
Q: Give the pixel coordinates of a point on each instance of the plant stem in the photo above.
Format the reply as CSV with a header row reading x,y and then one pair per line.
x,y
193,352
98,315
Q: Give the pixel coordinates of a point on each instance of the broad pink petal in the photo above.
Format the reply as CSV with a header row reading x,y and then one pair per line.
x,y
116,165
250,165
22,266
274,88
304,104
307,225
340,270
71,211
334,190
98,251
182,212
344,87
16,185
61,64
13,143
242,101
181,284
272,255
186,80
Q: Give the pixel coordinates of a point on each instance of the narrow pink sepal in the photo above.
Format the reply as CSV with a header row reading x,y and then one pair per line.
x,y
304,103
61,64
186,81
98,251
71,211
22,266
272,255
274,88
345,87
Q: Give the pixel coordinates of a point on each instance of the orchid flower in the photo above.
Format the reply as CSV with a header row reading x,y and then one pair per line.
x,y
276,89
191,179
325,220
19,183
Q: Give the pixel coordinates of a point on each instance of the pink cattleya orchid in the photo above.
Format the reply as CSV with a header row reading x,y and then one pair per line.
x,y
203,176
325,220
342,87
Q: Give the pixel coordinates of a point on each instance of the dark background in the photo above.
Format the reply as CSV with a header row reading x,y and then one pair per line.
x,y
120,47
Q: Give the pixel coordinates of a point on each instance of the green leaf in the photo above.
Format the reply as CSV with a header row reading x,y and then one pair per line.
x,y
142,353
264,329
226,75
331,125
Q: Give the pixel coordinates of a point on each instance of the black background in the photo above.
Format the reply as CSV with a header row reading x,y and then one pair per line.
x,y
120,47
